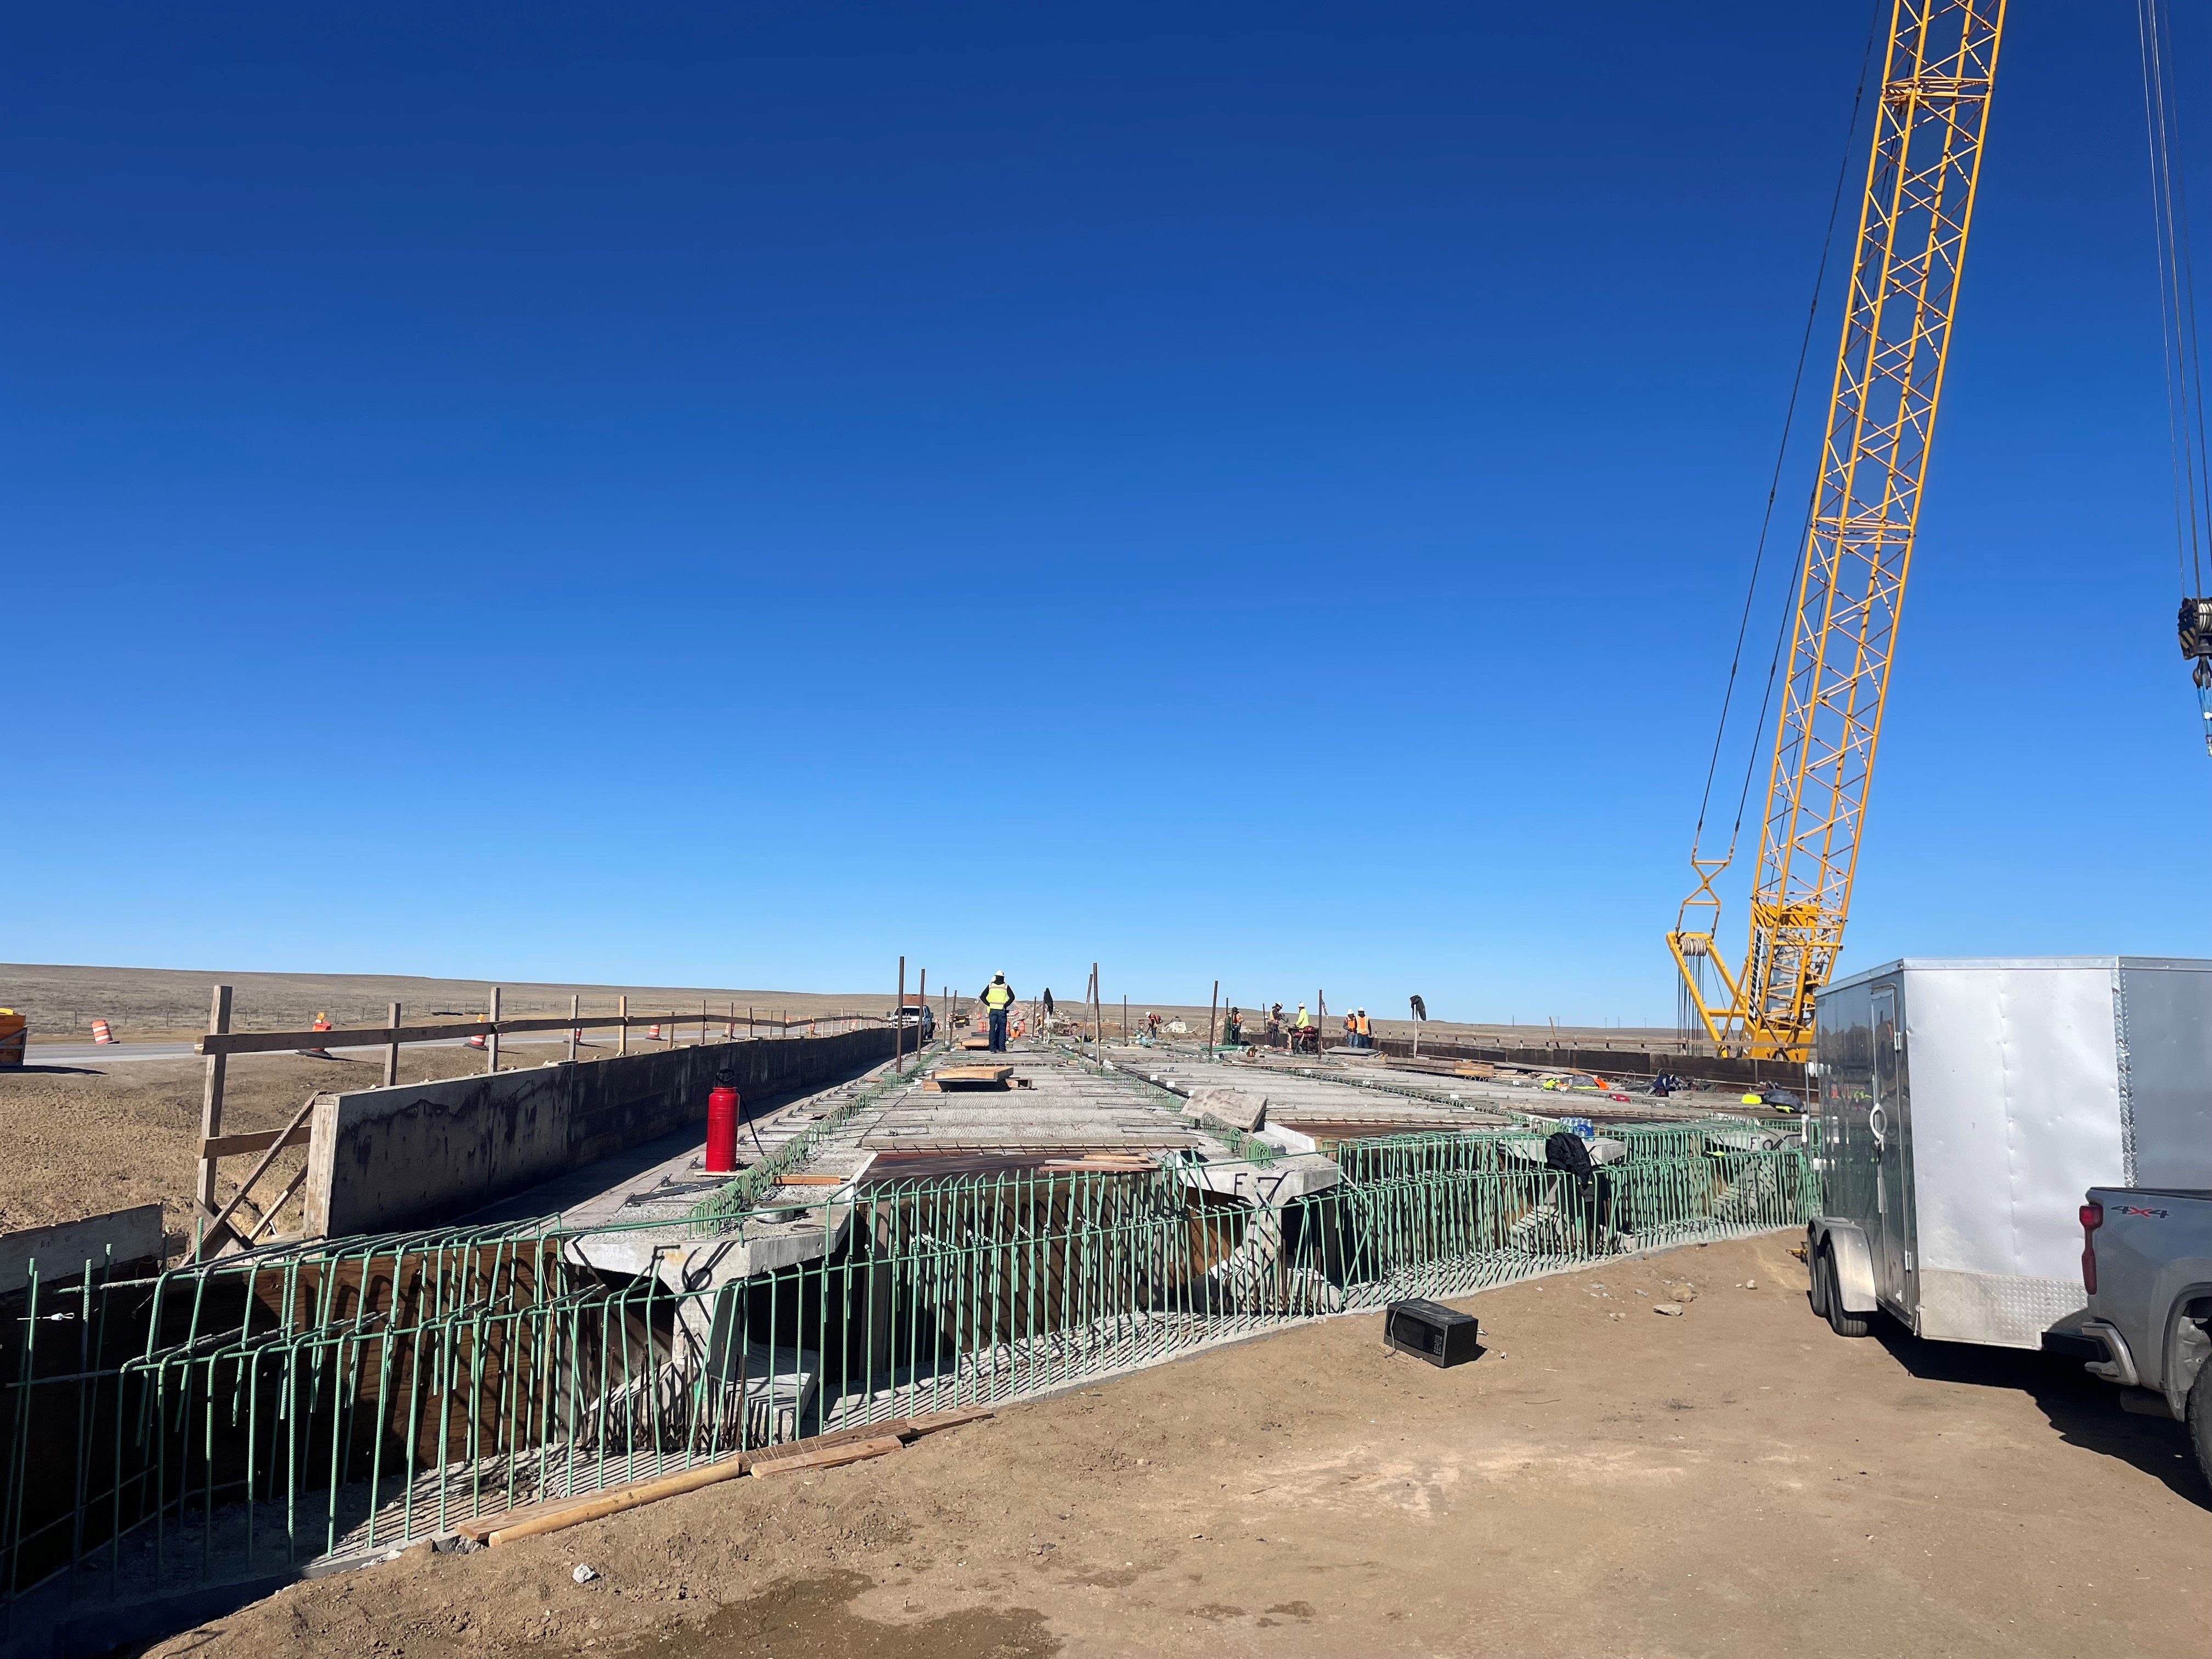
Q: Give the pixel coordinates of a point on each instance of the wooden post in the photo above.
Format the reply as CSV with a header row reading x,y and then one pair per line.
x,y
575,1011
1124,1019
922,997
211,1111
391,1054
1210,1008
491,1042
1097,1020
898,1031
622,1031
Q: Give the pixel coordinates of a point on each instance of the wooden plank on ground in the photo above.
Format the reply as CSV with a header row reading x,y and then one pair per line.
x,y
553,1517
533,1519
828,1457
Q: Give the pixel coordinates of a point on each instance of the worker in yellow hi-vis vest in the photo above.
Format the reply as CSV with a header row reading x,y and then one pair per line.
x,y
998,997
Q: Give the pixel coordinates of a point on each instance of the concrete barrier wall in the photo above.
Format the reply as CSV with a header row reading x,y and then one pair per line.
x,y
426,1154
62,1249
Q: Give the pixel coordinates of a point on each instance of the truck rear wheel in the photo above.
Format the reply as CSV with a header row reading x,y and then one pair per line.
x,y
2200,1419
1818,1281
1839,1322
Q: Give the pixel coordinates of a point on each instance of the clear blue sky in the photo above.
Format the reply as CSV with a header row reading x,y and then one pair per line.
x,y
728,493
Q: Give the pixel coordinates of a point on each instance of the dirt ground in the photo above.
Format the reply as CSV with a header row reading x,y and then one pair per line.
x,y
1603,1481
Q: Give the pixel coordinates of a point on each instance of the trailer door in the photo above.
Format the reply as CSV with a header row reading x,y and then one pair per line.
x,y
1887,1121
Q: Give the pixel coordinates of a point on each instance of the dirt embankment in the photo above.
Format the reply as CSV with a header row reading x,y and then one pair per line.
x,y
1733,1481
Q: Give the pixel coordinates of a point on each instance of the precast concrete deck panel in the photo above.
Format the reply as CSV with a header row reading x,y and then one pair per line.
x,y
1295,1096
1055,1106
1510,1094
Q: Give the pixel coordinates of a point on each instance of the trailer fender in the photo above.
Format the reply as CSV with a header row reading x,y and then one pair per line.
x,y
1843,1241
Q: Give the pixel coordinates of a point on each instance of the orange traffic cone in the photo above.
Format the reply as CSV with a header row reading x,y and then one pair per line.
x,y
653,1032
101,1033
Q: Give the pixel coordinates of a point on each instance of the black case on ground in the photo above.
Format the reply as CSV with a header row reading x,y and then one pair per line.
x,y
1434,1332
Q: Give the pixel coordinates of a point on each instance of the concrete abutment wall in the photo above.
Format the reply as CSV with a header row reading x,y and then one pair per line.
x,y
425,1154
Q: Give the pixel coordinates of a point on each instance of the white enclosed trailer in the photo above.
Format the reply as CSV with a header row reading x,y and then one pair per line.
x,y
1965,1105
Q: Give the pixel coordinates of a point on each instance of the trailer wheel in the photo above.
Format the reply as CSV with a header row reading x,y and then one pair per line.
x,y
2200,1419
1832,1288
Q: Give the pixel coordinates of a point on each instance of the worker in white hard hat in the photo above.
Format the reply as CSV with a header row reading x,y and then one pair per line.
x,y
998,997
1359,1031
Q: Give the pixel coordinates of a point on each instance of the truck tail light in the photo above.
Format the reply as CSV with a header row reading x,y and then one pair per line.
x,y
2092,1217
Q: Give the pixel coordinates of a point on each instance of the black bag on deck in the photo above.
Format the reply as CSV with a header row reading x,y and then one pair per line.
x,y
1565,1149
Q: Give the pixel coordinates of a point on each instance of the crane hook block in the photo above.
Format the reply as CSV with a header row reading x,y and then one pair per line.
x,y
2197,628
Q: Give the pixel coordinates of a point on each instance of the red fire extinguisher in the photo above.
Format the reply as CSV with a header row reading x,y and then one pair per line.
x,y
722,1124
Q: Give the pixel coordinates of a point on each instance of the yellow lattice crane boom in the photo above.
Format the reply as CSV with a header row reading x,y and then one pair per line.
x,y
1937,75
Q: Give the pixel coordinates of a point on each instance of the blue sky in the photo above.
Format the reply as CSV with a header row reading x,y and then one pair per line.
x,y
727,494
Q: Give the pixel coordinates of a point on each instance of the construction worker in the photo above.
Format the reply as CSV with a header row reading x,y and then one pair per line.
x,y
1232,1030
1363,1028
1304,1032
998,997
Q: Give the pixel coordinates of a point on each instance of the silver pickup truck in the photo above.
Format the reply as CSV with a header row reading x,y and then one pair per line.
x,y
2147,1264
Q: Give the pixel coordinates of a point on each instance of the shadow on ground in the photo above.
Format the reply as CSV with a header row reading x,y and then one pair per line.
x,y
810,1619
2084,1410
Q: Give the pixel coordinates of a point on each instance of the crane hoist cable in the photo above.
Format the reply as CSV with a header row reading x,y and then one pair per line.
x,y
2184,355
1939,70
1774,485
